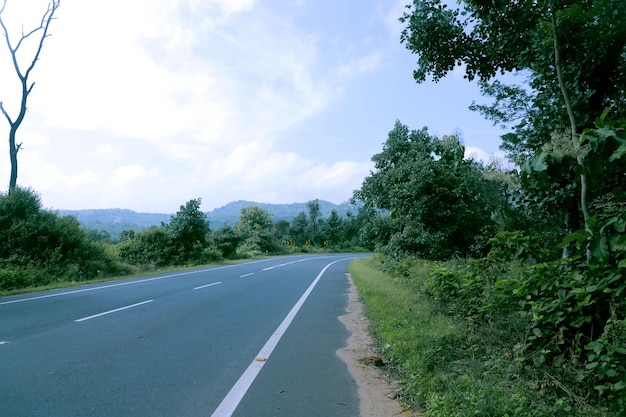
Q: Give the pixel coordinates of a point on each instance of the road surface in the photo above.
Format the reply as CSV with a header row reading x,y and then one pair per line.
x,y
256,339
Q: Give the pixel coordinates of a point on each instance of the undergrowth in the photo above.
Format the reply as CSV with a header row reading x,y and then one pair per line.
x,y
461,346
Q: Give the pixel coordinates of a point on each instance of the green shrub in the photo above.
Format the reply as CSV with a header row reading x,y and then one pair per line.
x,y
38,247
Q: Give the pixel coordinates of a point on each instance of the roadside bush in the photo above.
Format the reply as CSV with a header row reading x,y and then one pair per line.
x,y
226,240
151,246
38,247
576,316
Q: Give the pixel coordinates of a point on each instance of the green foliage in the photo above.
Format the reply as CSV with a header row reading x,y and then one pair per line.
x,y
298,228
184,241
512,246
449,366
226,240
435,198
561,324
255,226
38,247
149,247
576,312
189,227
473,34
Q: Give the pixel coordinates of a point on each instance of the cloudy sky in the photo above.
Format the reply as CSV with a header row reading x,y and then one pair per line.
x,y
146,104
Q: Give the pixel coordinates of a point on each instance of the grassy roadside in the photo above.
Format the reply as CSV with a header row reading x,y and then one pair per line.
x,y
450,367
145,272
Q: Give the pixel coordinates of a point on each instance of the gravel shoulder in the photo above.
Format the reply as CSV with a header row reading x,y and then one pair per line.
x,y
376,389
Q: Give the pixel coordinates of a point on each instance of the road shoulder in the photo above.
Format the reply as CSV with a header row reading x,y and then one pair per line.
x,y
375,387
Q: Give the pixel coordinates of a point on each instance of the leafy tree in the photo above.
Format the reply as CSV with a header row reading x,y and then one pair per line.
x,y
335,228
298,228
38,246
433,195
314,217
98,235
281,230
126,235
226,240
189,226
23,72
152,246
255,226
567,90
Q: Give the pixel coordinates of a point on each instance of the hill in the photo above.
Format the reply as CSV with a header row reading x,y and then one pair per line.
x,y
114,221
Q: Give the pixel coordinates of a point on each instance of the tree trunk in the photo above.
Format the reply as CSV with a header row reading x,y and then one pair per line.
x,y
573,125
13,148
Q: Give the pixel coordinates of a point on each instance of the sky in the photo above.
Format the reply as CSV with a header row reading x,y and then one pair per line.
x,y
147,104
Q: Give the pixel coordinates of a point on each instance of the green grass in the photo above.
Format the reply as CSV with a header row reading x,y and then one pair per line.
x,y
137,272
450,366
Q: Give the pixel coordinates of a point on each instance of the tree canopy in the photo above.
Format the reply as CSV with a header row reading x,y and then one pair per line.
x,y
500,36
431,192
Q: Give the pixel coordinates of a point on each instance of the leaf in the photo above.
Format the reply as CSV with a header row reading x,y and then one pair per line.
x,y
600,249
579,236
619,243
618,386
604,132
619,152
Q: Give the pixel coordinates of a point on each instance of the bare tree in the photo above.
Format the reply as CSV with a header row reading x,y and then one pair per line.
x,y
39,33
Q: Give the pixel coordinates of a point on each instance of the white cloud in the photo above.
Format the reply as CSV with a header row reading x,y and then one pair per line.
x,y
392,16
147,104
478,154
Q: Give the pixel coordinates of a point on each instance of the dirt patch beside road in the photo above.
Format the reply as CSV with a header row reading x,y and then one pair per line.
x,y
375,388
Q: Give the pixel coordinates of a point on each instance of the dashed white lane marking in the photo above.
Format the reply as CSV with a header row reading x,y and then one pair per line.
x,y
208,285
113,311
246,275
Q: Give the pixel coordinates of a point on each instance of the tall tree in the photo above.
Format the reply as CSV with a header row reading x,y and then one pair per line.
x,y
298,228
434,196
255,226
23,72
573,54
314,215
335,228
189,226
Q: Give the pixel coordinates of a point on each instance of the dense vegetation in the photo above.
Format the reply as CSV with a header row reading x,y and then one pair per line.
x,y
39,248
110,223
523,271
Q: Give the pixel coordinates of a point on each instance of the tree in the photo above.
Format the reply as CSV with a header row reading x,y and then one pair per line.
x,y
226,240
255,226
314,215
298,228
38,247
189,225
434,196
335,230
281,230
23,72
567,90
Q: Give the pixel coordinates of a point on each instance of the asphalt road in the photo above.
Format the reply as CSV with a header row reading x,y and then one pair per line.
x,y
256,339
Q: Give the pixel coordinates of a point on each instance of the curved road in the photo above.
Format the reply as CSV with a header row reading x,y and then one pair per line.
x,y
256,339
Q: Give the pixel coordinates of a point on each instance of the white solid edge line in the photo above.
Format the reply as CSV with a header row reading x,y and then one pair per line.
x,y
208,285
113,311
134,281
230,403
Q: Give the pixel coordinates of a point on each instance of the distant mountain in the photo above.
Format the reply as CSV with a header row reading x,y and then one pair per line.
x,y
229,213
114,221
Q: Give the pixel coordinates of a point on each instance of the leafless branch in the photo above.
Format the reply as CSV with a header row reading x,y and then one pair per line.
x,y
42,30
5,113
